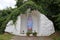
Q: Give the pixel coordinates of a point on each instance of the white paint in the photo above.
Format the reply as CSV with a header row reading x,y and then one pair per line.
x,y
41,24
12,28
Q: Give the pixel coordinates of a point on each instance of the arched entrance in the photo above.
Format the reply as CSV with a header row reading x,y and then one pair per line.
x,y
29,22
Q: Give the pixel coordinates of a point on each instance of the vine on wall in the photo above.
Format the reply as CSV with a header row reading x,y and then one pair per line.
x,y
21,10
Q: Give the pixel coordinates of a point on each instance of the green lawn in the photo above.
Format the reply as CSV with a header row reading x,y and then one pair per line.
x,y
56,38
56,35
5,36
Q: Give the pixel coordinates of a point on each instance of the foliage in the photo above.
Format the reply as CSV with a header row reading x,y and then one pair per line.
x,y
58,22
3,16
51,8
53,12
28,33
35,34
17,11
19,3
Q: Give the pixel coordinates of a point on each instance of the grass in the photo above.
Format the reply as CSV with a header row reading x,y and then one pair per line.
x,y
56,35
5,36
57,38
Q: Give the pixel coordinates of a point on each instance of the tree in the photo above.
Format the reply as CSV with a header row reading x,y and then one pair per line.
x,y
50,8
19,3
3,16
17,11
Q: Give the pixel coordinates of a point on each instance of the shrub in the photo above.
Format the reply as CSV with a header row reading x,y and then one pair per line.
x,y
35,34
28,33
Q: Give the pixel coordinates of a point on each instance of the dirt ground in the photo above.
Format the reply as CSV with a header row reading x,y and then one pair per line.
x,y
51,37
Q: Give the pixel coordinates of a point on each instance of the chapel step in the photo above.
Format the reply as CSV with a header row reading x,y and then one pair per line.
x,y
30,38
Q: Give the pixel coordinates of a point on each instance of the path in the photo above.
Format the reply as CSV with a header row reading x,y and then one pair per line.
x,y
56,34
30,38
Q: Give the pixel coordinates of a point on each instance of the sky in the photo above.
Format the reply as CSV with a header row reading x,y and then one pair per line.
x,y
7,3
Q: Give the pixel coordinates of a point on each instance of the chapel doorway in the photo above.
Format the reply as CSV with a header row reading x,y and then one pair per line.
x,y
29,23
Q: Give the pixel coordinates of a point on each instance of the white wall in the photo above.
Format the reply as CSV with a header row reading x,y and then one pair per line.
x,y
14,28
23,23
41,24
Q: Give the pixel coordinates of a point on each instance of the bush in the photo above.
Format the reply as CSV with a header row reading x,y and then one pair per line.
x,y
28,33
35,34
